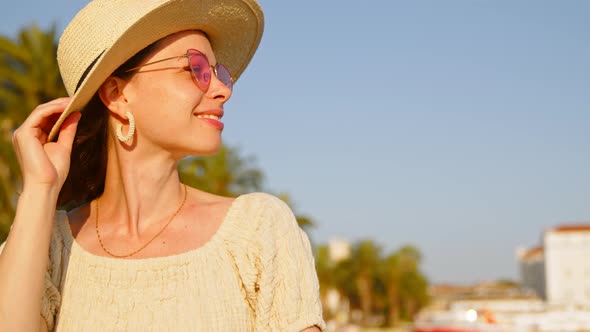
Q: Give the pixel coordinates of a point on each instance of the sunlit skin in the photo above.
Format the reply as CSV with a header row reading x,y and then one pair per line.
x,y
142,188
164,98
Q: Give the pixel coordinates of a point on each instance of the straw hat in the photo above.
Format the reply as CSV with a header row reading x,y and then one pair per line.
x,y
106,33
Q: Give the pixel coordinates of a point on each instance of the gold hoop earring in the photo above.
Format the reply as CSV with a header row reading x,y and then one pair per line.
x,y
131,131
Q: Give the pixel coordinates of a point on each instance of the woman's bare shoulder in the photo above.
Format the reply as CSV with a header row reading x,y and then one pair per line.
x,y
205,200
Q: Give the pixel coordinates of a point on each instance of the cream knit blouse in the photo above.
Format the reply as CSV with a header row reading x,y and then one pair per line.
x,y
255,274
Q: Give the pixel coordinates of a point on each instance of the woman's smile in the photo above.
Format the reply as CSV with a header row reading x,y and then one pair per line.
x,y
212,117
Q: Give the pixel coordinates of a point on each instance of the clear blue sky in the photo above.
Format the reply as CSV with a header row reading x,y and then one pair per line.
x,y
459,126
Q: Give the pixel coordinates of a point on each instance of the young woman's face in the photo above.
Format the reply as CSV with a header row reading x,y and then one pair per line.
x,y
171,112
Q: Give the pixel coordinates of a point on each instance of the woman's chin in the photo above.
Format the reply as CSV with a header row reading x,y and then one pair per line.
x,y
204,151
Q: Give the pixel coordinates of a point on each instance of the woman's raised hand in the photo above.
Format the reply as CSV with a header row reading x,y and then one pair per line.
x,y
45,164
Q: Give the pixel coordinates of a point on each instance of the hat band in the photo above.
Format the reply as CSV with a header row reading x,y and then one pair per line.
x,y
90,66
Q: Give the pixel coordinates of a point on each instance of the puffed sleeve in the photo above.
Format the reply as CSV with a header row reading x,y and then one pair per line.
x,y
288,296
51,297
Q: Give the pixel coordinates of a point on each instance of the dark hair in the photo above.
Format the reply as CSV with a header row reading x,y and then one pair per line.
x,y
88,165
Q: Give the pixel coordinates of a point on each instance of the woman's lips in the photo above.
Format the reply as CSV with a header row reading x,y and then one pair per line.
x,y
212,117
212,121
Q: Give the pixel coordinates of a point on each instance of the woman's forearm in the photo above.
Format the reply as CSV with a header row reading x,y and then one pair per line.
x,y
23,262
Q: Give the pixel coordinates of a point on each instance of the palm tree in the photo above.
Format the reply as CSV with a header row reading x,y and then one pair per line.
x,y
405,287
413,293
365,261
413,286
29,76
393,285
226,173
390,275
325,270
8,164
229,174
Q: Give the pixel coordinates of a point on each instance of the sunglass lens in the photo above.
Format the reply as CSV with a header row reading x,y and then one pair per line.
x,y
202,71
224,75
200,68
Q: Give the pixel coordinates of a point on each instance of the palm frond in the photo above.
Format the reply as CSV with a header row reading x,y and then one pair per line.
x,y
13,50
29,75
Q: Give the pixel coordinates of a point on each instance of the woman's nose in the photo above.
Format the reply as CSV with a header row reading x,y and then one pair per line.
x,y
218,89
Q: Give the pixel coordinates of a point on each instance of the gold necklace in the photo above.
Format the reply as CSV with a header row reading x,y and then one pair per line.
x,y
145,245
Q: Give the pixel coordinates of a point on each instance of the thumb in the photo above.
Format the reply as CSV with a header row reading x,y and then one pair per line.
x,y
68,129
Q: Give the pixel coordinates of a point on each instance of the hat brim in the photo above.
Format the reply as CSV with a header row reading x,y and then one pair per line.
x,y
234,39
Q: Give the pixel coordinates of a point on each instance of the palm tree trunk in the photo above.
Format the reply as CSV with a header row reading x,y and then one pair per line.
x,y
393,305
364,284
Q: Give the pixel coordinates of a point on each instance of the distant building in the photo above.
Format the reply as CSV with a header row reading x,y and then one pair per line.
x,y
339,250
567,261
532,270
559,271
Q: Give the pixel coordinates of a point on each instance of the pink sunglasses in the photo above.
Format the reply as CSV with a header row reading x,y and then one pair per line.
x,y
201,69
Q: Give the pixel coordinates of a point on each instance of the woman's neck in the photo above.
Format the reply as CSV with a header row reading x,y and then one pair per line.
x,y
140,190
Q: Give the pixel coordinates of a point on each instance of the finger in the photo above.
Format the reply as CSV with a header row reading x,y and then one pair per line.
x,y
67,132
49,122
57,101
39,116
54,102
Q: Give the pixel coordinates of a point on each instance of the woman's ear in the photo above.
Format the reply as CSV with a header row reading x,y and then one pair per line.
x,y
111,92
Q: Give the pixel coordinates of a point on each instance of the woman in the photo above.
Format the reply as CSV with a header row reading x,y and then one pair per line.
x,y
141,251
